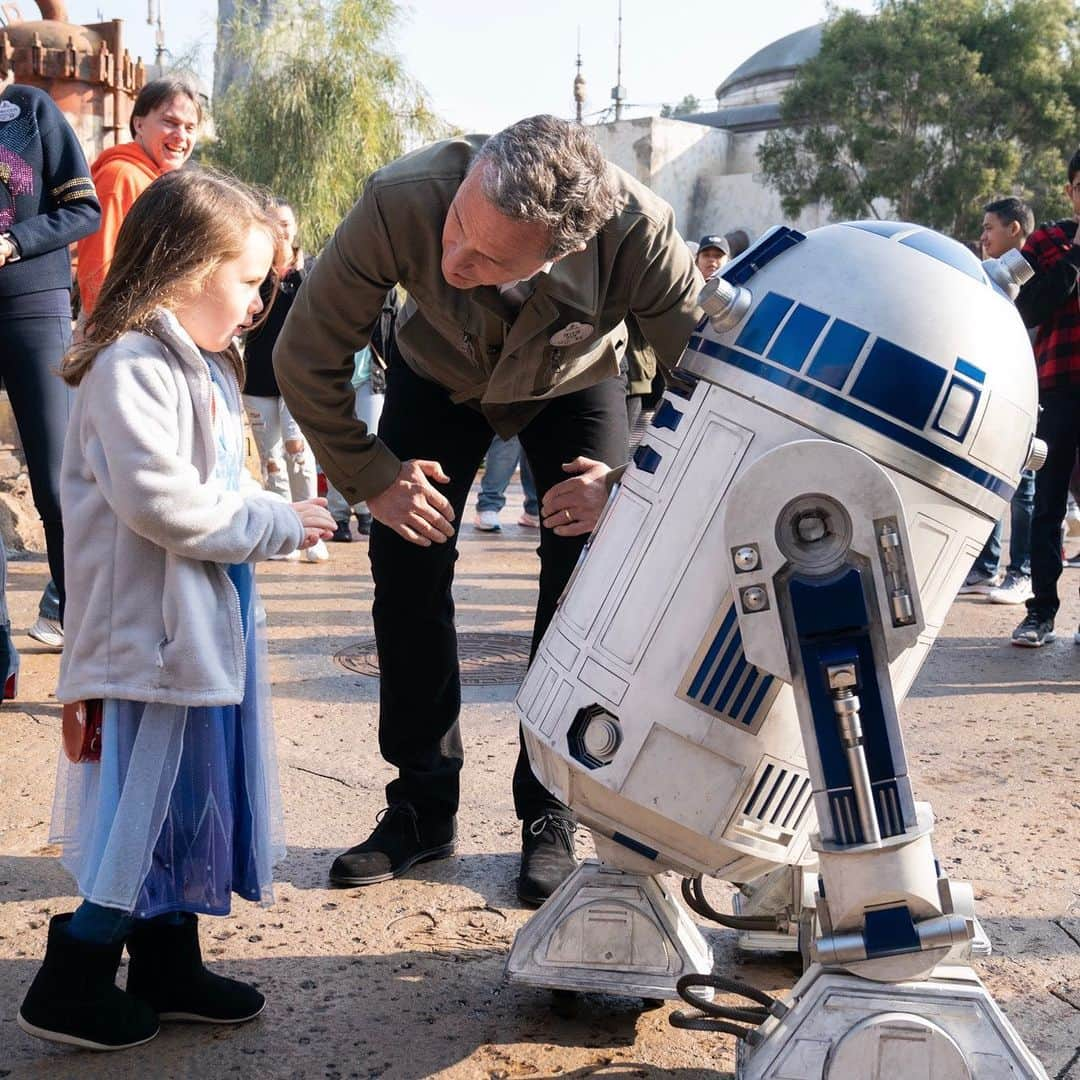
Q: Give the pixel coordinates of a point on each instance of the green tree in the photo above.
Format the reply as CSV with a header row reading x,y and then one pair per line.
x,y
323,103
689,104
932,106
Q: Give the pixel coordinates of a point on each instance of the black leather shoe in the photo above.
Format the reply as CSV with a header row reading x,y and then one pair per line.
x,y
401,839
547,857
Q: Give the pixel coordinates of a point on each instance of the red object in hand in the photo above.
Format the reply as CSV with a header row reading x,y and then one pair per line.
x,y
322,484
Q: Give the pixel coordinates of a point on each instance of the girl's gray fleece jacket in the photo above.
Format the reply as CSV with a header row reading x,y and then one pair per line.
x,y
151,614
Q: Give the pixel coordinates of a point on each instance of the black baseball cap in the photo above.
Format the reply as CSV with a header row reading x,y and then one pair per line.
x,y
715,242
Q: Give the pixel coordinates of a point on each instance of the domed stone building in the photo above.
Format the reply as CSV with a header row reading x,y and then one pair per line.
x,y
705,164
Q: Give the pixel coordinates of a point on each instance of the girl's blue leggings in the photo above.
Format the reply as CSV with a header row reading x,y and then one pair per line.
x,y
106,926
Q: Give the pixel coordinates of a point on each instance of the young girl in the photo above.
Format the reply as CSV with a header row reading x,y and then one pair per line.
x,y
183,808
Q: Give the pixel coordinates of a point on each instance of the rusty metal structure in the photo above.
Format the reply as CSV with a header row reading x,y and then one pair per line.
x,y
85,69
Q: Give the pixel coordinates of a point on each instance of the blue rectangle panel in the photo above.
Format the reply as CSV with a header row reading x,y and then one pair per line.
x,y
970,370
899,383
767,316
837,355
795,341
845,407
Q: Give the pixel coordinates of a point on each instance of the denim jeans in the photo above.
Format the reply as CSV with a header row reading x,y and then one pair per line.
x,y
499,465
1021,510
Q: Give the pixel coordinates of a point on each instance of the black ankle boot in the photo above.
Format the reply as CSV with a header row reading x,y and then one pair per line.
x,y
402,838
74,998
547,857
166,971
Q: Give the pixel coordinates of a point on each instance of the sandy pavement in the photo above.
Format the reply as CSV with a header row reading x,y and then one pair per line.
x,y
404,979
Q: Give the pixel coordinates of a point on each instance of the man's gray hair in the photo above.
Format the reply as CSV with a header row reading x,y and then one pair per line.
x,y
549,172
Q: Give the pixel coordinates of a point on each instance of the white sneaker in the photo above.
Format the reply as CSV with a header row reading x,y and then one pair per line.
x,y
293,556
529,521
1015,589
487,521
49,632
318,552
1072,522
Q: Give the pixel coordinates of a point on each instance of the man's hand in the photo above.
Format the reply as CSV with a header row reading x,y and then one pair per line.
x,y
413,508
573,507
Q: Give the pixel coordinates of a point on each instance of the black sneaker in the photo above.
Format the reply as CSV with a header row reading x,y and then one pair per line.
x,y
401,839
342,534
547,857
1034,631
363,523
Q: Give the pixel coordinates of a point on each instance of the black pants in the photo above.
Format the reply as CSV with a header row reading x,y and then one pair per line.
x,y
30,353
1059,427
413,611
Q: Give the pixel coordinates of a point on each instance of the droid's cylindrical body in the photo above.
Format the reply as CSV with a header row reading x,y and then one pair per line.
x,y
642,710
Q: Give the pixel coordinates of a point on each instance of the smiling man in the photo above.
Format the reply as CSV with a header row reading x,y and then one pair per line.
x,y
522,255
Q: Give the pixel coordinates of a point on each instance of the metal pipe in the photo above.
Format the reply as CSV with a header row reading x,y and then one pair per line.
x,y
846,706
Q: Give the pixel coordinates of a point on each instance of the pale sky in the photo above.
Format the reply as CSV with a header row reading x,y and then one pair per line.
x,y
486,63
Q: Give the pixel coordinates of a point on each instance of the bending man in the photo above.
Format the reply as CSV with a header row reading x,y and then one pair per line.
x,y
521,255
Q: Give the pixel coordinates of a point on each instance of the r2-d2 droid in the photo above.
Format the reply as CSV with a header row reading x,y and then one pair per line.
x,y
718,691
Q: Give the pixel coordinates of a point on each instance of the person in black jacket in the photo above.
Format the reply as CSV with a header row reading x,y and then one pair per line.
x,y
47,201
1050,303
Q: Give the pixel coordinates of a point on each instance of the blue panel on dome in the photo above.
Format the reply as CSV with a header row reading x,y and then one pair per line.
x,y
761,254
899,383
843,406
879,228
837,355
947,251
762,324
970,370
797,338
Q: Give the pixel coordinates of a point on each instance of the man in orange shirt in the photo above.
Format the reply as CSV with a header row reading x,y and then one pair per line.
x,y
164,124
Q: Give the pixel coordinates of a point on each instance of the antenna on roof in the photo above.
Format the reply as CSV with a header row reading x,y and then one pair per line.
x,y
579,80
618,91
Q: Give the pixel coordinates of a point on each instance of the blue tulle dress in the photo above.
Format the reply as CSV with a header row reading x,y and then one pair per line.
x,y
184,807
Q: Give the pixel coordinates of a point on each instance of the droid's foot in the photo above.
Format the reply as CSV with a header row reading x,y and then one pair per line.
x,y
946,1027
609,931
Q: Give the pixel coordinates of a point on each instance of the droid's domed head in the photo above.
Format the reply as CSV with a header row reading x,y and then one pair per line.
x,y
888,337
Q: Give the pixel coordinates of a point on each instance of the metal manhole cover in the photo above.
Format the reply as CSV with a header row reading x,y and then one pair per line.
x,y
487,658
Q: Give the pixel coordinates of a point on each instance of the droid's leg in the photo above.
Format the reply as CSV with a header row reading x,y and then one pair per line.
x,y
889,992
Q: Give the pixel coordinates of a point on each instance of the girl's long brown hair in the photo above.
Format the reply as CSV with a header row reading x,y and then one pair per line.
x,y
177,233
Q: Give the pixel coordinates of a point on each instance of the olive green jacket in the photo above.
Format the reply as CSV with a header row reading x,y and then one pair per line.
x,y
470,341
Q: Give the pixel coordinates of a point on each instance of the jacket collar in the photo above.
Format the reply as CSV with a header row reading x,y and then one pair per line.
x,y
575,280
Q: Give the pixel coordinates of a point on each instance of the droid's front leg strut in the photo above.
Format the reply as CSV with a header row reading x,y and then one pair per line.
x,y
828,603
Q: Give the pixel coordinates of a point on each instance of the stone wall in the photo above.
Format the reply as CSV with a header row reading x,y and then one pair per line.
x,y
709,176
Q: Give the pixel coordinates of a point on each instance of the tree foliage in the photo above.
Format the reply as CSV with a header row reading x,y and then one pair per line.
x,y
689,104
932,107
324,103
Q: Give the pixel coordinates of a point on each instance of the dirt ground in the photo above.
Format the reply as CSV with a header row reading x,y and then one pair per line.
x,y
405,979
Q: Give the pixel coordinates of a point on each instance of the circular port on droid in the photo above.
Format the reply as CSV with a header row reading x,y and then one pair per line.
x,y
814,533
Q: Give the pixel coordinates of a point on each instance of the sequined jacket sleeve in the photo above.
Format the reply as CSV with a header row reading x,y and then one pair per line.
x,y
50,199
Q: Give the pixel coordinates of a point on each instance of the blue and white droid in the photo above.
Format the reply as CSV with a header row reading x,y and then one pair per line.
x,y
718,691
